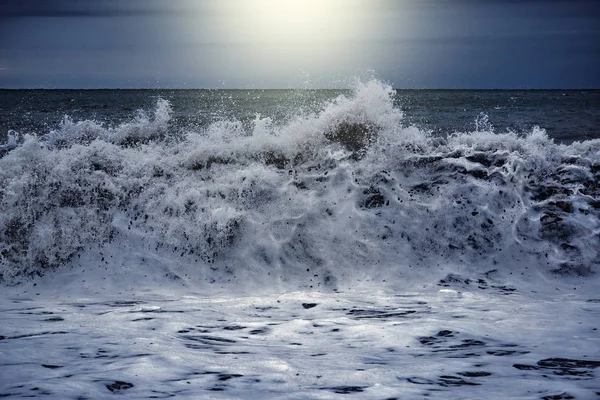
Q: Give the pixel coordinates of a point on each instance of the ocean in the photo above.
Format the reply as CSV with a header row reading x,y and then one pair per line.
x,y
566,115
369,242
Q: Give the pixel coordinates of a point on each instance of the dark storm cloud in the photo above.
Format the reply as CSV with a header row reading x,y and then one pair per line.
x,y
110,8
201,43
76,8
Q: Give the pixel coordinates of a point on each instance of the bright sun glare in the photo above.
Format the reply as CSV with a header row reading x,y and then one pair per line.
x,y
280,35
294,20
298,19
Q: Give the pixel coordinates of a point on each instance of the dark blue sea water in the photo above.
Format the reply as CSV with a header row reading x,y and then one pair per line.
x,y
566,115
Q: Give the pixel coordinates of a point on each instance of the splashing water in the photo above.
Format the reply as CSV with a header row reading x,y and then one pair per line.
x,y
326,198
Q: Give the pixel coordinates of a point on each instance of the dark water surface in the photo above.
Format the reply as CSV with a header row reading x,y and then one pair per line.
x,y
566,115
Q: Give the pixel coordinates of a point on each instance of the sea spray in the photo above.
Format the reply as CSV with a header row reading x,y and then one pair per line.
x,y
337,196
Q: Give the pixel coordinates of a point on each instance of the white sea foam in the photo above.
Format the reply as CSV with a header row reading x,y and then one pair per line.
x,y
400,264
336,197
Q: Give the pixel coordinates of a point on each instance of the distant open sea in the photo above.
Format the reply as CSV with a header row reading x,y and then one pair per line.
x,y
566,115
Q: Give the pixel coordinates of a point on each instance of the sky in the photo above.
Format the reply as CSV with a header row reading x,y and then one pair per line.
x,y
422,44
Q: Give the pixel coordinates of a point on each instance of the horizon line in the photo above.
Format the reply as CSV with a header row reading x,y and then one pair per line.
x,y
288,88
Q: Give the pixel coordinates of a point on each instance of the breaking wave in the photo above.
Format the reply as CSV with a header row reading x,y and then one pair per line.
x,y
344,194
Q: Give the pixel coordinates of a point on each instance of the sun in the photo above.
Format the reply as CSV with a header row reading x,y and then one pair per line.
x,y
283,39
295,20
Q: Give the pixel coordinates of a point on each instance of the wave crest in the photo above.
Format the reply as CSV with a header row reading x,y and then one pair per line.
x,y
339,195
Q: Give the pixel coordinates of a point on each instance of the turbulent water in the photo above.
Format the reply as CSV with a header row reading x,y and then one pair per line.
x,y
344,192
421,253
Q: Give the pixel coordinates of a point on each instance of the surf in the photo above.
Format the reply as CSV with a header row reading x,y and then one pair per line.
x,y
342,195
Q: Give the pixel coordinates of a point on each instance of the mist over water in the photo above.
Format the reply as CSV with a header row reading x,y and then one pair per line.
x,y
328,190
